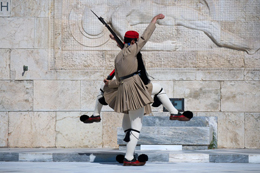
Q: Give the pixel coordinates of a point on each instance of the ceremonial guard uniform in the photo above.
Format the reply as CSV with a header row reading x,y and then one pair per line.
x,y
130,93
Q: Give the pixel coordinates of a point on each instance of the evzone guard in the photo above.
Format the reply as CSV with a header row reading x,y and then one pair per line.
x,y
130,93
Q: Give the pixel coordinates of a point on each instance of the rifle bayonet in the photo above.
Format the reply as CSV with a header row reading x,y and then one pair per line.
x,y
100,18
119,42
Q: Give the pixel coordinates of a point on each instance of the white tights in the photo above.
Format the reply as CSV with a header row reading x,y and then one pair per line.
x,y
133,120
164,98
98,106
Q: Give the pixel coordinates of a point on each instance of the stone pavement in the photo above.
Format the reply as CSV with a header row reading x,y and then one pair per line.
x,y
109,155
106,167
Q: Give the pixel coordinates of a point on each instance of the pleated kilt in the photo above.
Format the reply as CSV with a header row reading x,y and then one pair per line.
x,y
131,94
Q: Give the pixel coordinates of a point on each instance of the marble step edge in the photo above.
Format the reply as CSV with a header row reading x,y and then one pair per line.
x,y
199,121
158,156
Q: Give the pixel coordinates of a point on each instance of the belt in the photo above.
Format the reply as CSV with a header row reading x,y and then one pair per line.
x,y
130,75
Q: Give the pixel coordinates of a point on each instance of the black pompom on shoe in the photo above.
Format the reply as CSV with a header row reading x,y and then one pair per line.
x,y
143,158
120,158
84,118
188,114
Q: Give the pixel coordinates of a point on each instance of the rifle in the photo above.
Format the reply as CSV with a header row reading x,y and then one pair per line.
x,y
119,42
144,75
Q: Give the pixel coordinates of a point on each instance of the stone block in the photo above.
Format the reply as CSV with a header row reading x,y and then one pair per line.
x,y
172,74
12,157
241,96
123,147
85,157
17,32
152,135
199,95
81,75
254,158
167,59
245,29
110,122
228,158
72,133
5,8
43,128
252,11
252,61
37,62
190,39
42,33
3,129
31,129
30,8
231,26
20,131
252,126
161,147
57,95
82,60
16,95
150,58
225,58
220,74
4,64
180,59
89,92
212,118
156,157
110,60
231,130
35,157
104,157
252,74
194,147
163,121
160,34
189,158
225,13
71,157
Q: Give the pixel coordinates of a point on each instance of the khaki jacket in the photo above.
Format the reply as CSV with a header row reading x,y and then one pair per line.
x,y
131,93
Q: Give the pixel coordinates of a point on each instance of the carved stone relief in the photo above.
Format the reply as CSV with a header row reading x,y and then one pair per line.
x,y
82,31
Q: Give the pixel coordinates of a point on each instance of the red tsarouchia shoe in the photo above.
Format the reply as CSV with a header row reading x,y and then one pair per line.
x,y
179,117
133,162
186,116
87,119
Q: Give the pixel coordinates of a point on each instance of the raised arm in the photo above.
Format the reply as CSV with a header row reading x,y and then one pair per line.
x,y
155,18
146,34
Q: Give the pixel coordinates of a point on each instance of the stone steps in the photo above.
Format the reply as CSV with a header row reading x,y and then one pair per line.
x,y
163,120
198,133
109,155
171,136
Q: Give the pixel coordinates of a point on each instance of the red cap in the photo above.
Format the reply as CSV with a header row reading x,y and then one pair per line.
x,y
132,34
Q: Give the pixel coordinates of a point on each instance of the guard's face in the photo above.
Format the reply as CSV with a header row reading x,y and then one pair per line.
x,y
133,41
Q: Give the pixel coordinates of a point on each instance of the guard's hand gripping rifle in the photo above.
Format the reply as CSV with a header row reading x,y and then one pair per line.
x,y
119,42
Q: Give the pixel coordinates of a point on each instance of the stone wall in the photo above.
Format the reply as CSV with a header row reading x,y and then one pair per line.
x,y
205,51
